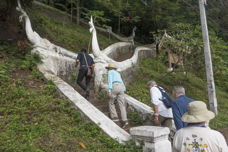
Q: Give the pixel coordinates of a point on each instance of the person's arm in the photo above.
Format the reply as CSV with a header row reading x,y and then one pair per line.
x,y
177,116
156,120
78,59
155,102
77,62
92,67
110,79
92,63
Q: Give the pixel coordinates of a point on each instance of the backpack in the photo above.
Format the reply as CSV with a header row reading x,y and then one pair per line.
x,y
165,97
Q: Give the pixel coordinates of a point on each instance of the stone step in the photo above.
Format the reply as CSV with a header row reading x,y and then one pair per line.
x,y
86,108
102,105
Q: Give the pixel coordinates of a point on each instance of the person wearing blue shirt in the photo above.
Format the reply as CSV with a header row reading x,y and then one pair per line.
x,y
116,89
179,106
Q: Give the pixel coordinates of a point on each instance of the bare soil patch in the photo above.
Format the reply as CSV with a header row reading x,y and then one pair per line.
x,y
25,76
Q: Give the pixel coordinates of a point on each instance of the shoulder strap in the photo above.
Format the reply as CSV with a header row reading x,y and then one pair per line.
x,y
85,60
159,88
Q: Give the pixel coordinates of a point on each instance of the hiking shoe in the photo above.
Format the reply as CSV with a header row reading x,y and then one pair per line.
x,y
126,125
115,120
87,95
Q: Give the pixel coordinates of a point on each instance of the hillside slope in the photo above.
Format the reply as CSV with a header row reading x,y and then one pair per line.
x,y
55,26
196,88
33,117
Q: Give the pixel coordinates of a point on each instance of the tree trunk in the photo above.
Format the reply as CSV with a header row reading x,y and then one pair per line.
x,y
78,12
10,28
71,11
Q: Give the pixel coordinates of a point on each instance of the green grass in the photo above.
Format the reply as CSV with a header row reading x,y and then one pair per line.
x,y
33,118
195,87
56,28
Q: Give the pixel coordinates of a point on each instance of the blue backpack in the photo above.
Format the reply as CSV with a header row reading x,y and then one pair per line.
x,y
165,98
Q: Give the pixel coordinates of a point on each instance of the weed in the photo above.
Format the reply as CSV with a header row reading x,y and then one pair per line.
x,y
135,119
102,96
37,74
3,72
50,88
31,60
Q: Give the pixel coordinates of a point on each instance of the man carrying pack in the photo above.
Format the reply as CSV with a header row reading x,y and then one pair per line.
x,y
86,62
179,106
162,113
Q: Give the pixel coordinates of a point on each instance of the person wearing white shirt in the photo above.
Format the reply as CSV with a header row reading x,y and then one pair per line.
x,y
162,115
197,136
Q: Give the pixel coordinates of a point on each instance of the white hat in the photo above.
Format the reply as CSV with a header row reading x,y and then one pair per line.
x,y
111,66
197,112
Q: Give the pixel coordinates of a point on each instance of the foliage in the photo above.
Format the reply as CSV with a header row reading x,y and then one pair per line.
x,y
195,87
3,72
135,119
31,61
187,42
98,16
151,16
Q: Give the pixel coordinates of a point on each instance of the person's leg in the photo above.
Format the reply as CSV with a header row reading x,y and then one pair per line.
x,y
112,108
123,112
122,106
88,79
81,75
167,123
161,120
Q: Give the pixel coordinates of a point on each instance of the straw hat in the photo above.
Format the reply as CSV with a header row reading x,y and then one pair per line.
x,y
197,112
111,66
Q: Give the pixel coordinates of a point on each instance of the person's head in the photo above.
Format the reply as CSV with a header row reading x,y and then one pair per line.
x,y
83,50
197,113
111,66
151,83
178,91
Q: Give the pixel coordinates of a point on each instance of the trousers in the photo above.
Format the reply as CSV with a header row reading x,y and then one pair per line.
x,y
118,96
81,75
166,122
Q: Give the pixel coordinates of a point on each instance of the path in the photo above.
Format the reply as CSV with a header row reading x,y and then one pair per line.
x,y
101,100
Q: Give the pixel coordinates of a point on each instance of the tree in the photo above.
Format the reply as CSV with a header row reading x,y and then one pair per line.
x,y
78,12
11,29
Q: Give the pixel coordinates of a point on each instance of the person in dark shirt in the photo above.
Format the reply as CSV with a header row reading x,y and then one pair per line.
x,y
85,61
179,106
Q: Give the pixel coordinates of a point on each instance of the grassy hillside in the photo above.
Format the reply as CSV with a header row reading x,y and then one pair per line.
x,y
195,87
56,27
34,118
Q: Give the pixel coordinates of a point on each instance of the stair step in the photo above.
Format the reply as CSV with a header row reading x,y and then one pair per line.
x,y
98,103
